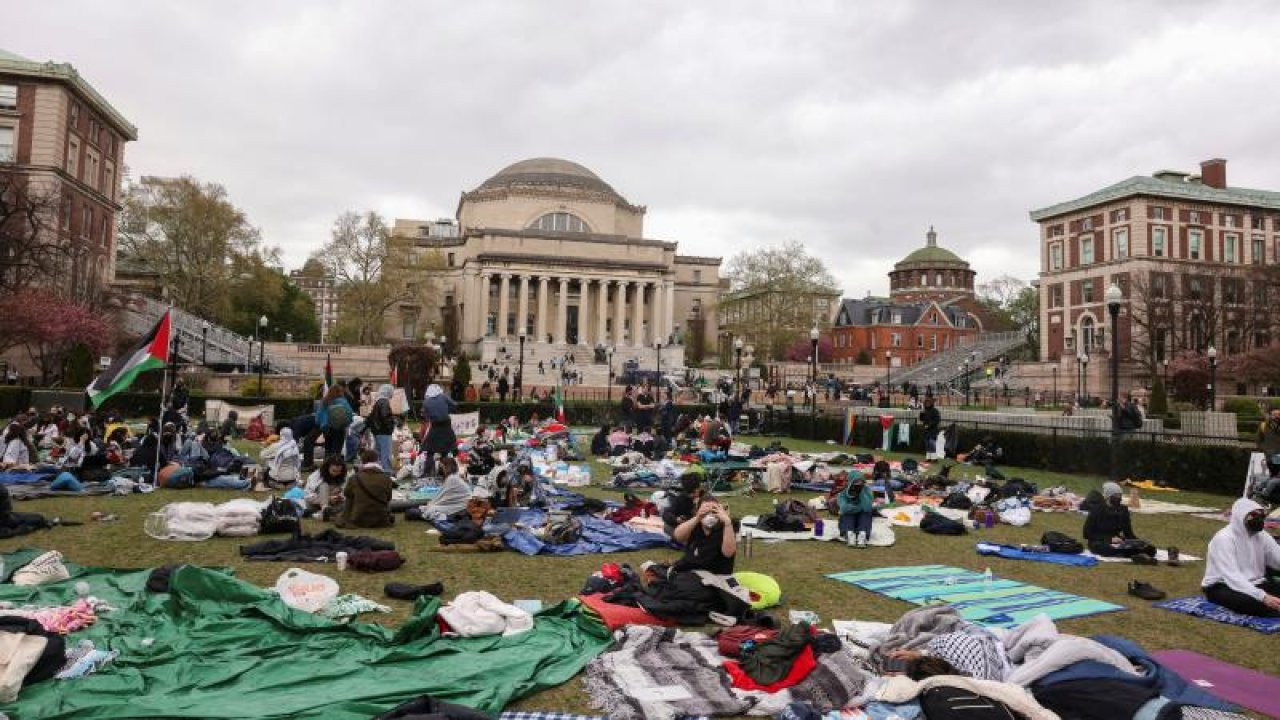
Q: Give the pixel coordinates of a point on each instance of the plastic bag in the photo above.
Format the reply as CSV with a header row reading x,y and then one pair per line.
x,y
305,591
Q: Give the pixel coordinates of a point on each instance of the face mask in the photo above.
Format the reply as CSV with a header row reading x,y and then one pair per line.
x,y
1115,500
710,522
1254,524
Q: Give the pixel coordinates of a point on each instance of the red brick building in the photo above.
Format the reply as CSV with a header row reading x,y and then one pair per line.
x,y
930,307
63,144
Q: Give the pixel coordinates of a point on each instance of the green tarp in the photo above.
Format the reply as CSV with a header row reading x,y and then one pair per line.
x,y
217,647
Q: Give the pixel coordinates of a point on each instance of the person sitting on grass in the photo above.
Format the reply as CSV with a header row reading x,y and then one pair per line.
x,y
709,540
17,449
681,504
257,430
323,488
282,461
1108,530
619,441
857,508
367,495
1240,557
600,442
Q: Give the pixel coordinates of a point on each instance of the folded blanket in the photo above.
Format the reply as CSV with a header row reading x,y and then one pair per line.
x,y
901,689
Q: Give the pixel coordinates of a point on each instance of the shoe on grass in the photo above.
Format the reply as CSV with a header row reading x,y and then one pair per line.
x,y
1174,559
1145,591
1144,559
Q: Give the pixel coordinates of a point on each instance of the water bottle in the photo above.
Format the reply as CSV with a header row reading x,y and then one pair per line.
x,y
817,528
987,577
991,518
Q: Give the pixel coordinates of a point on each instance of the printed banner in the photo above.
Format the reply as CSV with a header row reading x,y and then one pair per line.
x,y
465,424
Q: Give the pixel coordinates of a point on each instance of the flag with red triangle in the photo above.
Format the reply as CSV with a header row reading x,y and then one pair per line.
x,y
395,376
151,353
328,373
559,403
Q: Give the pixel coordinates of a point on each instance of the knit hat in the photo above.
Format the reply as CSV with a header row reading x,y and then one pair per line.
x,y
1110,488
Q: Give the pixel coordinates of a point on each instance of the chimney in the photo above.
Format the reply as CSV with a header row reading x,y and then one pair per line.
x,y
1214,173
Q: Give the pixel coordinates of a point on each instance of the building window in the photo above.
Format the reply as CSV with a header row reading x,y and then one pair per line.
x,y
1231,291
1086,224
1055,296
1259,250
1088,333
933,343
86,221
1230,247
75,114
1159,286
451,259
65,221
1159,236
1230,220
1086,291
560,222
1194,240
1257,222
8,140
895,339
1055,256
1260,293
1119,216
73,158
1120,243
1159,213
102,231
409,326
1193,217
919,341
1056,230
1086,251
1195,288
896,317
9,97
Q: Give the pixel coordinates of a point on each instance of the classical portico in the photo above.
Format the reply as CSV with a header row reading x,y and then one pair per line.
x,y
548,248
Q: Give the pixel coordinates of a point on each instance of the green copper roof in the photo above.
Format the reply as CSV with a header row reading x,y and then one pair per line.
x,y
1174,189
18,65
931,254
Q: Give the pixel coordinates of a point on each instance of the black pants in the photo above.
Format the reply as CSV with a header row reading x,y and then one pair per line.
x,y
1104,548
1220,594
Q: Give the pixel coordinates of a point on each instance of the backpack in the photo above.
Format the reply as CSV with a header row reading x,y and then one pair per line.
x,y
939,524
910,466
279,516
953,703
881,470
1061,543
375,560
339,417
957,501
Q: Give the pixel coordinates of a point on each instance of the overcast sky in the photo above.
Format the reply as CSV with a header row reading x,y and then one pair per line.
x,y
849,126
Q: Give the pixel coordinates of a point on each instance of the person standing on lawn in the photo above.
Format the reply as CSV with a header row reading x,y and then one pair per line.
x,y
381,424
931,423
1240,557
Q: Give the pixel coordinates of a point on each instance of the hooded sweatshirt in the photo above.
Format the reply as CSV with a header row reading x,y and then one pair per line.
x,y
381,420
283,457
856,497
436,405
1238,558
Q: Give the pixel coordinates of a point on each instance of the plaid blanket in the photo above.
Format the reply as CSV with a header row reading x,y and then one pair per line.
x,y
654,673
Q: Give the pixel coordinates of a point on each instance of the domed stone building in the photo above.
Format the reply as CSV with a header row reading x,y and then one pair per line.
x,y
931,273
548,249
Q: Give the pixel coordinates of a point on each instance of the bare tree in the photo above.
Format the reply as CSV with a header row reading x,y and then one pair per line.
x,y
31,253
1170,313
773,295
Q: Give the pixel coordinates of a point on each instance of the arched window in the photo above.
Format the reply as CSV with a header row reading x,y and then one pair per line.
x,y
560,222
1087,332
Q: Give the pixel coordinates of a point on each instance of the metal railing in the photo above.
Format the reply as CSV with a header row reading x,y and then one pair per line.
x,y
217,346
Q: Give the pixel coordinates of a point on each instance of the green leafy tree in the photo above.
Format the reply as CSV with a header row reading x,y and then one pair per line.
x,y
462,369
1159,405
79,367
263,290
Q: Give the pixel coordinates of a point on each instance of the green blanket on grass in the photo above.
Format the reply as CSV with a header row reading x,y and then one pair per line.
x,y
217,647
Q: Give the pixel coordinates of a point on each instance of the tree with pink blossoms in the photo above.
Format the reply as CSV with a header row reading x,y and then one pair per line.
x,y
49,326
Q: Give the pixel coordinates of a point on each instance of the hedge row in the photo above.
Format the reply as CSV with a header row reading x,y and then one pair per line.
x,y
1207,468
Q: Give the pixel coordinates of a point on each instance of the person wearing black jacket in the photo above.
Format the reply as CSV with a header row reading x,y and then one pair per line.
x,y
1108,530
931,423
381,423
681,504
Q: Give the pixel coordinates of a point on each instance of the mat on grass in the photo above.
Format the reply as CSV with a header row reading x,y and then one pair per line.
x,y
1162,555
1000,603
1199,607
1013,552
1242,686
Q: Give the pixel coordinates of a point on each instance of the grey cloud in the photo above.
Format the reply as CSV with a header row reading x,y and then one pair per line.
x,y
849,126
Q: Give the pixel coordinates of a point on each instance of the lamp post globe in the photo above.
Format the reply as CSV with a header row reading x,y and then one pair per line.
x,y
1114,297
204,343
1212,352
262,345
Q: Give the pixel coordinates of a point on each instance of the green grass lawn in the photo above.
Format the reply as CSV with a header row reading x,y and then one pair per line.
x,y
798,566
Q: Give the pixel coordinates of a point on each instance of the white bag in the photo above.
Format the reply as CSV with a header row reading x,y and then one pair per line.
x,y
304,590
1018,516
882,534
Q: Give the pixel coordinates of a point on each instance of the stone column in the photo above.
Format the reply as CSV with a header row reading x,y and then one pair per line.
x,y
540,326
504,305
484,304
619,313
584,312
602,311
637,316
669,308
656,331
562,310
522,305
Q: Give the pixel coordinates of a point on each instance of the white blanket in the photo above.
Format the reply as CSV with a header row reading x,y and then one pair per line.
x,y
1162,555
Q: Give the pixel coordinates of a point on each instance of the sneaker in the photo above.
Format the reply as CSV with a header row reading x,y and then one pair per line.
x,y
1145,591
1174,558
722,619
1144,559
43,569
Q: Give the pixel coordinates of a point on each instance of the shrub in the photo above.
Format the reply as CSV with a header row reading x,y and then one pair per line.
x,y
1159,405
13,400
252,389
79,367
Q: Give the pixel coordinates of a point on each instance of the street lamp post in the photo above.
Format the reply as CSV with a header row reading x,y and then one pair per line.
x,y
1213,377
888,378
813,383
520,367
1054,401
204,343
1114,297
657,346
737,372
1084,376
609,354
262,346
964,376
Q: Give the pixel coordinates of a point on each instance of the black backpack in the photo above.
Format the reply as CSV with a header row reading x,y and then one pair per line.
x,y
953,703
957,501
1061,543
564,532
280,516
939,524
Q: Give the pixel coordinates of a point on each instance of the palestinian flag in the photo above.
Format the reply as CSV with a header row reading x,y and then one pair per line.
x,y
152,353
559,403
395,376
328,373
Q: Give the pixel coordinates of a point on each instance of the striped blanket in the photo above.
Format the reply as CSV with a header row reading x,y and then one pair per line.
x,y
999,603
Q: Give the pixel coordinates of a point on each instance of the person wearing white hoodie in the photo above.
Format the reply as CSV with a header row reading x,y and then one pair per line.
x,y
1240,554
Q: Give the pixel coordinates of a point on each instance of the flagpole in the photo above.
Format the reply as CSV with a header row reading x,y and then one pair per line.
x,y
164,383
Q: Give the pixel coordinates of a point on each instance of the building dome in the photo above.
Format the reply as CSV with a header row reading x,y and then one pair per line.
x,y
547,173
931,273
931,254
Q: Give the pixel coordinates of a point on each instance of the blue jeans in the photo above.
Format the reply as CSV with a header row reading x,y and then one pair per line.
x,y
227,482
66,481
384,451
858,522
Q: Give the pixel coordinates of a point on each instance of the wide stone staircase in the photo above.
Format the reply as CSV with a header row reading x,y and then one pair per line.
x,y
215,347
949,366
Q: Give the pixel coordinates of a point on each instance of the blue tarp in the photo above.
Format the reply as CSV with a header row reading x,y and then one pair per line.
x,y
1013,553
598,536
19,477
